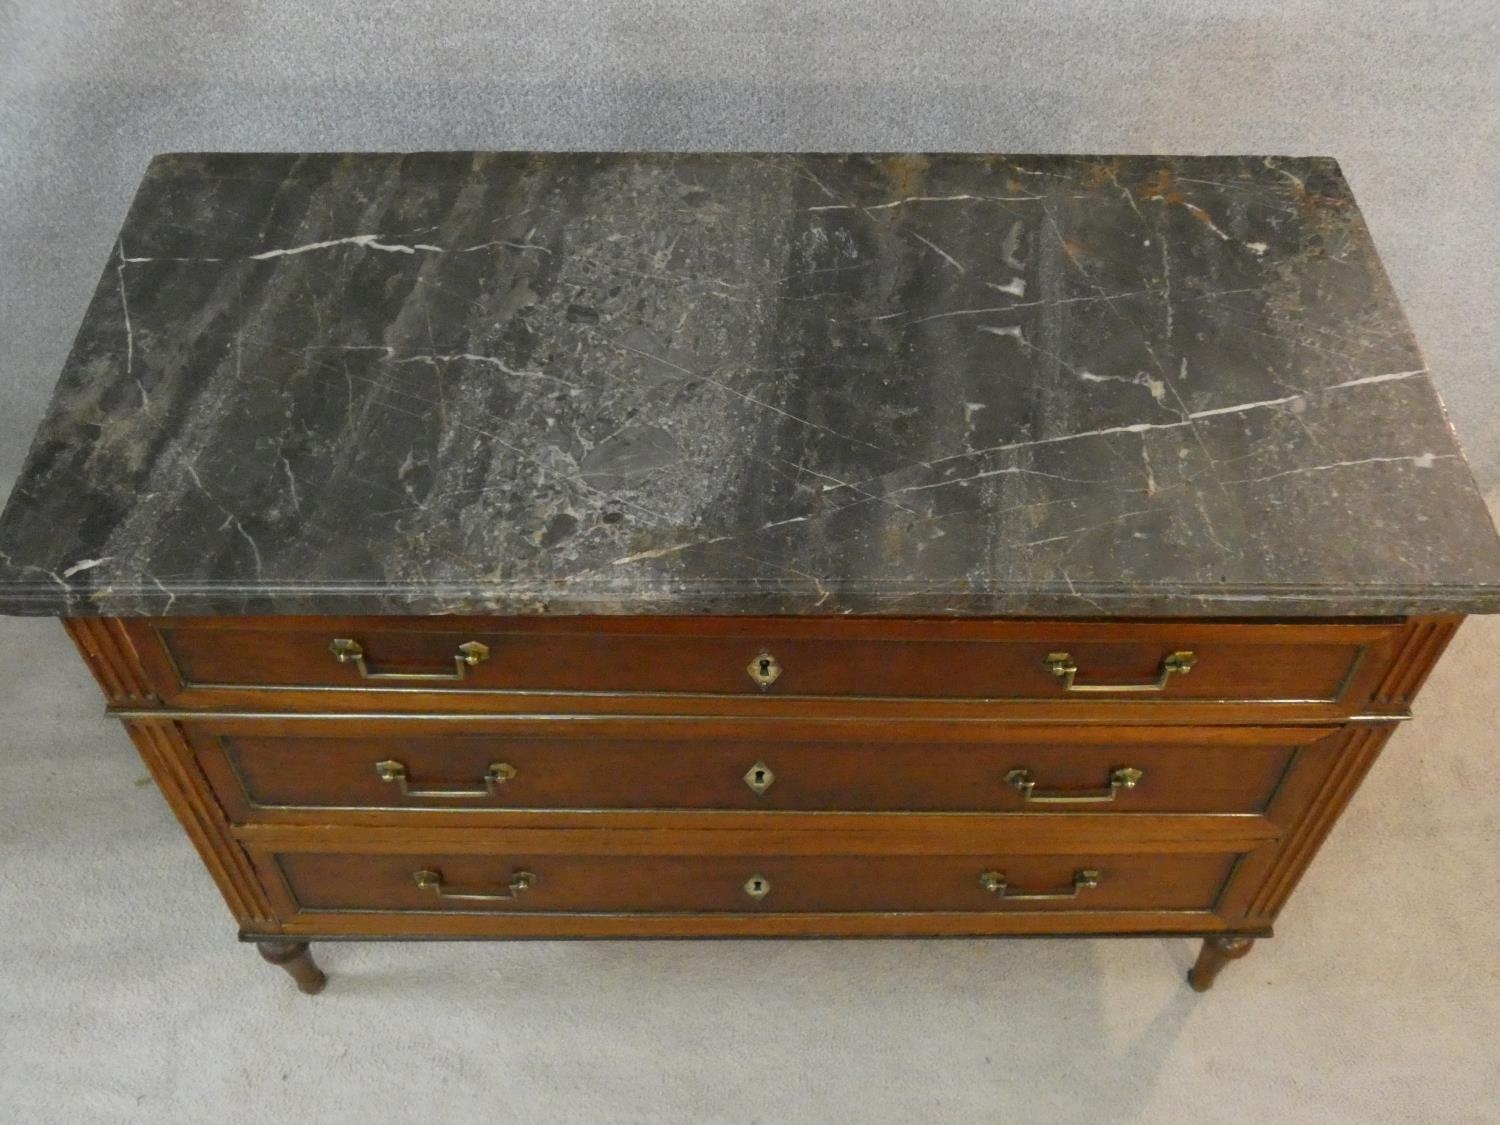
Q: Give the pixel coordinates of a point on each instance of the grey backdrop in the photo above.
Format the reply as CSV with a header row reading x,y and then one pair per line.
x,y
126,999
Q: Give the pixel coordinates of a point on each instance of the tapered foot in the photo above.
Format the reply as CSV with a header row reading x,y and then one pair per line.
x,y
1217,952
294,957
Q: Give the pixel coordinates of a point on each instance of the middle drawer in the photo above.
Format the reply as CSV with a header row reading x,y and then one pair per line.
x,y
268,769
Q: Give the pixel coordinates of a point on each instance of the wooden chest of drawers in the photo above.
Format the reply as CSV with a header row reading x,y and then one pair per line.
x,y
646,777
535,545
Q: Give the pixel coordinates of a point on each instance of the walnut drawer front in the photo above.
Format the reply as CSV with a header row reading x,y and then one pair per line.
x,y
725,658
418,770
737,884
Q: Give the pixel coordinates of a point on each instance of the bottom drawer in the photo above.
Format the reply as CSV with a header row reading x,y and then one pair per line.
x,y
573,884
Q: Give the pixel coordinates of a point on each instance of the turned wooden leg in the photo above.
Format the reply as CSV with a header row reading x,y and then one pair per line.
x,y
1217,952
293,956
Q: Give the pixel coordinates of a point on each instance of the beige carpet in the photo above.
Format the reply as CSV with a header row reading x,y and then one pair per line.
x,y
127,999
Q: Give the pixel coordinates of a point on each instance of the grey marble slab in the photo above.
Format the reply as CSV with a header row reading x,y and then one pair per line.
x,y
574,383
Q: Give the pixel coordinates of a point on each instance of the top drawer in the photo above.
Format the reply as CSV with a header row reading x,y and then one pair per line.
x,y
1068,663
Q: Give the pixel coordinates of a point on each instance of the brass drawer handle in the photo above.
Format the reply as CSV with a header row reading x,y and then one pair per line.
x,y
1126,777
395,772
1064,669
994,882
470,653
433,881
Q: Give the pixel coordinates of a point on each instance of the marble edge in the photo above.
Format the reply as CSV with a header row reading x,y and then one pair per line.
x,y
160,164
983,153
747,599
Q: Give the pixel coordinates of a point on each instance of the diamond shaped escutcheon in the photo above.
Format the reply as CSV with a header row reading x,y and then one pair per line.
x,y
760,778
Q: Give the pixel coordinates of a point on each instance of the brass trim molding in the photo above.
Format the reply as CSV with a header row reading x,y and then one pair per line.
x,y
575,716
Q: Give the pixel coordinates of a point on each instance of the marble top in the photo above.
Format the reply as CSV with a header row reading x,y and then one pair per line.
x,y
818,384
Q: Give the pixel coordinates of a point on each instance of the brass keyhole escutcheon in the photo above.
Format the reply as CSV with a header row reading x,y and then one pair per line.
x,y
760,778
757,887
764,670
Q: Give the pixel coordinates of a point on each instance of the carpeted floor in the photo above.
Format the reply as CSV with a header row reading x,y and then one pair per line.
x,y
1379,1002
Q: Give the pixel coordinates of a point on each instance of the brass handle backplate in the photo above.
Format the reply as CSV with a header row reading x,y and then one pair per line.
x,y
1063,668
433,881
994,882
764,670
395,773
1126,777
348,651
